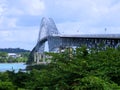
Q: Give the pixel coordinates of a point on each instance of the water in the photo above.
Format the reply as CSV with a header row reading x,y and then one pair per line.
x,y
12,66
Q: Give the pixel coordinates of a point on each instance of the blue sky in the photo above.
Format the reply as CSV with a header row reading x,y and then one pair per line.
x,y
20,19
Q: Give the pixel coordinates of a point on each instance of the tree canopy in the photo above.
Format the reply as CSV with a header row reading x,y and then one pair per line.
x,y
79,69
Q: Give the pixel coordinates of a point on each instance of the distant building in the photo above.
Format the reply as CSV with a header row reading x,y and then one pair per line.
x,y
14,55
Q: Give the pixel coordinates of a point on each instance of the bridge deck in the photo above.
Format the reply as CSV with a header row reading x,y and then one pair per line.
x,y
108,36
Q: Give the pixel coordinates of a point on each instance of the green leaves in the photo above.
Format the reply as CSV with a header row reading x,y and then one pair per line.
x,y
90,69
79,69
7,86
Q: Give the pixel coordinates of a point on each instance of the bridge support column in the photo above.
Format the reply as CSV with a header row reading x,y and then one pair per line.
x,y
38,57
43,59
35,57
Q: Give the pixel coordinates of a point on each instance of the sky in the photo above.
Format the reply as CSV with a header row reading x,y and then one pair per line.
x,y
20,19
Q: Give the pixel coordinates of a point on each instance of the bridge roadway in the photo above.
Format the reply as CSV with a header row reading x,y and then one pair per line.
x,y
104,36
56,41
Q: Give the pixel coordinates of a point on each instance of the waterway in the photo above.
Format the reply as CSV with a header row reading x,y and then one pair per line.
x,y
12,66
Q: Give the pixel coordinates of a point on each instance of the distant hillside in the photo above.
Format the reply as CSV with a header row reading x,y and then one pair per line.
x,y
13,50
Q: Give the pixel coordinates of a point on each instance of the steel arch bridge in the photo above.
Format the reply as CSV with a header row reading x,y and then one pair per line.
x,y
56,41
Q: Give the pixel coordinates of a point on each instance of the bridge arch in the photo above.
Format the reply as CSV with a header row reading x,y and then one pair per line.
x,y
47,28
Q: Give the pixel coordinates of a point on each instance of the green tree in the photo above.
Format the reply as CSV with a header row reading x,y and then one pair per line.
x,y
87,70
3,57
7,86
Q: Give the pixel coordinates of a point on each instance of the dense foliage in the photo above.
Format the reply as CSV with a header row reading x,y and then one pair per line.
x,y
80,69
4,58
13,50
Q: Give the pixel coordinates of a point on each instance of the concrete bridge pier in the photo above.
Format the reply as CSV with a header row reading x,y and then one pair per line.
x,y
39,57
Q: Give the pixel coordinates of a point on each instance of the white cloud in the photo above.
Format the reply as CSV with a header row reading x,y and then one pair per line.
x,y
92,16
2,7
19,38
7,23
82,28
11,33
23,7
81,10
19,35
12,22
33,7
14,11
